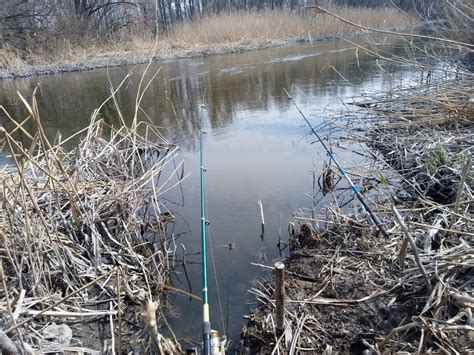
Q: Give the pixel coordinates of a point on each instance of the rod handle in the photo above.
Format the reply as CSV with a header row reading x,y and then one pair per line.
x,y
206,338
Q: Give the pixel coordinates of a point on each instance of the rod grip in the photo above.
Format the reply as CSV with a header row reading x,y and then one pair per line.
x,y
206,338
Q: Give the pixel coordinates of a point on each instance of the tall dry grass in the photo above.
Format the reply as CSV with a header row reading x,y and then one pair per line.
x,y
277,24
215,33
9,59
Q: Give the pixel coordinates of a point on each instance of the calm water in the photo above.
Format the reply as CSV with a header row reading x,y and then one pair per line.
x,y
256,147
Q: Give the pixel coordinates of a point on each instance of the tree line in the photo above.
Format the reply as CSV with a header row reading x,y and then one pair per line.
x,y
25,24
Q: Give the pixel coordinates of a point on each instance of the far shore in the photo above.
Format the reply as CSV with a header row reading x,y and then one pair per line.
x,y
224,34
130,58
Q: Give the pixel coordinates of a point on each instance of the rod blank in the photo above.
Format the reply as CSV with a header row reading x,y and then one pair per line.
x,y
356,190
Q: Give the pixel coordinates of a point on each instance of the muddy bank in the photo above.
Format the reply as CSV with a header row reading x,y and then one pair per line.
x,y
115,59
343,304
349,289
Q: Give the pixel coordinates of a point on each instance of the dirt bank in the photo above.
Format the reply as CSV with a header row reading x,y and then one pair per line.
x,y
52,51
352,290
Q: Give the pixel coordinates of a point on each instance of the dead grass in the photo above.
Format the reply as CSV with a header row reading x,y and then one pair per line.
x,y
8,59
83,236
349,290
217,33
275,25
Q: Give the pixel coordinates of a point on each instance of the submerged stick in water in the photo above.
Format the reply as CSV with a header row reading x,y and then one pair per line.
x,y
262,217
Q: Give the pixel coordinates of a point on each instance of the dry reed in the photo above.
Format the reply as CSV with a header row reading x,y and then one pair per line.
x,y
351,290
83,234
243,27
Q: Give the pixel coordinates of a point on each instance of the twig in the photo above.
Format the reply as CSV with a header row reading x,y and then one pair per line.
x,y
395,331
119,311
413,247
413,35
112,330
262,218
465,171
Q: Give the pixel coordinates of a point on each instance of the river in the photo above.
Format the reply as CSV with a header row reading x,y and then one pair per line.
x,y
257,147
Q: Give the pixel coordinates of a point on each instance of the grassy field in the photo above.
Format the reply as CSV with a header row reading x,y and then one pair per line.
x,y
228,32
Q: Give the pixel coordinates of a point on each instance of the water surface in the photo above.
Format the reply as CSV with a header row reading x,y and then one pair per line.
x,y
256,148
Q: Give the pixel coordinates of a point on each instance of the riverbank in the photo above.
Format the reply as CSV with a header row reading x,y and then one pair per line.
x,y
349,289
84,266
220,34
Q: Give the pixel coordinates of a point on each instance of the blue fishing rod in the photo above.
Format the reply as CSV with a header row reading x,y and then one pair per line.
x,y
206,324
356,190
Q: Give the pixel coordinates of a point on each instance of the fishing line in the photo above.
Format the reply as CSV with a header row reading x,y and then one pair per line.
x,y
355,189
215,278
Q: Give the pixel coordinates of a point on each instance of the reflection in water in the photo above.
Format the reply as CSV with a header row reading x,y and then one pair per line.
x,y
256,147
226,84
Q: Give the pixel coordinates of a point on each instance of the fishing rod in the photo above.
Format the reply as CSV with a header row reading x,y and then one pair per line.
x,y
212,343
356,190
206,324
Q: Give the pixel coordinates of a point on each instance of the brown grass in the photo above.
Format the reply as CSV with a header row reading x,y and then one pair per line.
x,y
74,229
276,25
216,33
9,59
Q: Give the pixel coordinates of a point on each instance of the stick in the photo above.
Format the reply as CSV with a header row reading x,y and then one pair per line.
x,y
112,333
320,9
280,297
177,290
66,314
413,247
395,331
119,313
262,217
465,171
403,252
19,304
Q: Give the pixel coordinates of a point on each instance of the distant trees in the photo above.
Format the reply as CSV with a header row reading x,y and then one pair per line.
x,y
20,20
25,24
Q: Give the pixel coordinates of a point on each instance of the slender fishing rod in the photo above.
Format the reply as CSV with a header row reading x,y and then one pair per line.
x,y
356,190
206,324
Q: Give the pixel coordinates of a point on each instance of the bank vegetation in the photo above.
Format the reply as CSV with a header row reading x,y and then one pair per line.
x,y
85,250
349,289
45,38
